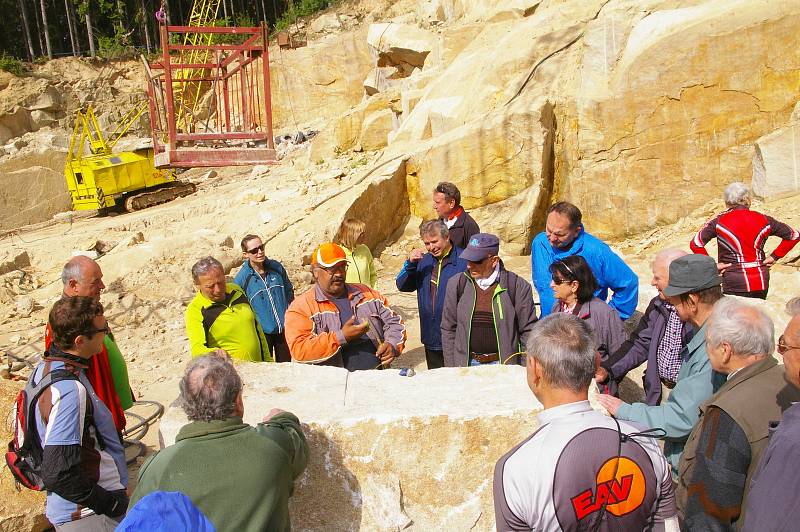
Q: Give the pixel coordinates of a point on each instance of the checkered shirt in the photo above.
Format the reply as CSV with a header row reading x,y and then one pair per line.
x,y
669,350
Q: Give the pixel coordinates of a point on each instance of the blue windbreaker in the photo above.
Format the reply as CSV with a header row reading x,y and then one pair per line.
x,y
609,269
269,297
417,277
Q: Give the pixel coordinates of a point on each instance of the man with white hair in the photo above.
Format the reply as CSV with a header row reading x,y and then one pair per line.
x,y
582,470
772,499
658,339
741,235
724,447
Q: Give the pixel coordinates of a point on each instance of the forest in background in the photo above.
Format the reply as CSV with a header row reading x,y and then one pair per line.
x,y
36,30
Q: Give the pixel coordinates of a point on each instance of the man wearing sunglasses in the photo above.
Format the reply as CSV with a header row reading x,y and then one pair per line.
x,y
107,370
336,323
772,500
83,462
269,291
724,447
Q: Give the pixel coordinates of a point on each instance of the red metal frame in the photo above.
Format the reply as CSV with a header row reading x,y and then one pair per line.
x,y
238,126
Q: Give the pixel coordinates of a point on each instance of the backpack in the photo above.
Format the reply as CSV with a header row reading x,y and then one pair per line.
x,y
24,454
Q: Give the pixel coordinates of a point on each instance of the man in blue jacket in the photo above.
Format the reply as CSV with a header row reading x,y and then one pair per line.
x,y
563,236
427,274
269,291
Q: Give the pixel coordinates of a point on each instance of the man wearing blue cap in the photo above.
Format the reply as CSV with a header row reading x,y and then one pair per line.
x,y
488,310
694,288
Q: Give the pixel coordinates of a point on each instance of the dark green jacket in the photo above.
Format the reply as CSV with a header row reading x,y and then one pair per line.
x,y
239,476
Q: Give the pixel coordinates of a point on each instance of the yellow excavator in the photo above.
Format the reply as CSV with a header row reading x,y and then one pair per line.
x,y
101,178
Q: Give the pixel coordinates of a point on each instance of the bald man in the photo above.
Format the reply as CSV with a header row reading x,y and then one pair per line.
x,y
107,370
658,339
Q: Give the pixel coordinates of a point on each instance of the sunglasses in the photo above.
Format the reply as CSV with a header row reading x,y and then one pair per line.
x,y
783,347
256,249
104,330
556,280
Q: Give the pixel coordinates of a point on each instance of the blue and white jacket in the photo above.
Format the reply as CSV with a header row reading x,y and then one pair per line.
x,y
269,296
609,269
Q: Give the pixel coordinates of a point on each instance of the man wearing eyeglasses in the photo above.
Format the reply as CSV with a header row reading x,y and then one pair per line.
x,y
83,462
340,324
269,291
488,310
725,445
220,317
107,370
564,235
772,500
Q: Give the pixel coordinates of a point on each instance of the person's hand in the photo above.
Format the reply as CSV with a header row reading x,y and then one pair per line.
x,y
220,353
386,353
351,331
769,261
722,266
601,374
416,255
610,403
272,413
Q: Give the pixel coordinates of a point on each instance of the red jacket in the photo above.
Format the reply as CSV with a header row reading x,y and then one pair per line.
x,y
741,235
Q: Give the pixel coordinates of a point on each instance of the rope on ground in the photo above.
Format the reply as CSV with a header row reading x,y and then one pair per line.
x,y
132,435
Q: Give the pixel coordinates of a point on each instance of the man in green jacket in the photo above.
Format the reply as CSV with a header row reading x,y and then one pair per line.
x,y
694,288
239,476
220,318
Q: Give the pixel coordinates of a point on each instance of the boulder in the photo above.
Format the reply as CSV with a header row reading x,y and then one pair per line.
x,y
48,100
42,118
375,130
348,127
44,193
11,260
326,23
395,450
776,162
379,79
13,123
400,45
321,80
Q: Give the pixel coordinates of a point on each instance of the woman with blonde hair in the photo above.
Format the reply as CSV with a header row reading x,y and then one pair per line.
x,y
360,266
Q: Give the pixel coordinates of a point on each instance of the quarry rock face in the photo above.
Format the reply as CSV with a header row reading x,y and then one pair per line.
x,y
390,452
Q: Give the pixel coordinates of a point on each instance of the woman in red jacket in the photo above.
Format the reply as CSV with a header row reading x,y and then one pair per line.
x,y
741,235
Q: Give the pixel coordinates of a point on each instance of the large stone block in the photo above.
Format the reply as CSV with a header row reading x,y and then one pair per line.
x,y
376,129
776,162
348,127
400,44
389,452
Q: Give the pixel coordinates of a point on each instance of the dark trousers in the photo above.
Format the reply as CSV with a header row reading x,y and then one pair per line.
x,y
434,358
278,347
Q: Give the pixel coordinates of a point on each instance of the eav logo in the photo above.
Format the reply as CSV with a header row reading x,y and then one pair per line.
x,y
623,492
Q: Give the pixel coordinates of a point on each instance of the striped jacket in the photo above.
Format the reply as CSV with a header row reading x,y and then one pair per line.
x,y
741,235
314,330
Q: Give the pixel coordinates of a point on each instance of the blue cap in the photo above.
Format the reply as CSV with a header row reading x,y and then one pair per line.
x,y
480,246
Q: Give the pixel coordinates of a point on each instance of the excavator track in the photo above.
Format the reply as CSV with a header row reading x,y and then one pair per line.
x,y
163,194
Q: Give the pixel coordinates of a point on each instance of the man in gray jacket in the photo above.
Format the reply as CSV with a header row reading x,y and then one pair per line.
x,y
488,310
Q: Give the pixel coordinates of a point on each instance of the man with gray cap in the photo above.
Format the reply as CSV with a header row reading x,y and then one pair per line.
x,y
694,288
488,310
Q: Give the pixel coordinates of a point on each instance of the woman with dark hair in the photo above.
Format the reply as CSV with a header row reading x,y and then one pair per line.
x,y
573,285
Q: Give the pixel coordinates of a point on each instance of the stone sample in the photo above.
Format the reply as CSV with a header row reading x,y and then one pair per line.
x,y
776,162
391,452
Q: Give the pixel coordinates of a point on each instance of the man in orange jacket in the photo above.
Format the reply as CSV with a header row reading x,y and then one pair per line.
x,y
340,324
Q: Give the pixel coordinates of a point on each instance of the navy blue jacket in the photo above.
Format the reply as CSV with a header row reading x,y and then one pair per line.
x,y
417,277
270,296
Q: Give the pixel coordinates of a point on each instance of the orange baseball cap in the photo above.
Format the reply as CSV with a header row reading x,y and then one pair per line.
x,y
329,254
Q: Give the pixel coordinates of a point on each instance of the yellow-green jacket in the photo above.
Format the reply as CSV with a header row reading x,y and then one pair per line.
x,y
230,325
360,268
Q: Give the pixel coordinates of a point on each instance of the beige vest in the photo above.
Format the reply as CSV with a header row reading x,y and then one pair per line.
x,y
755,396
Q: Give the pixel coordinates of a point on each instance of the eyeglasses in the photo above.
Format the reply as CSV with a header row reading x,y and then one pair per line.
x,y
104,330
255,250
339,267
784,348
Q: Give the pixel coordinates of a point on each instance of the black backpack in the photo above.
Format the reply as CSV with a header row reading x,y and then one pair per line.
x,y
24,455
